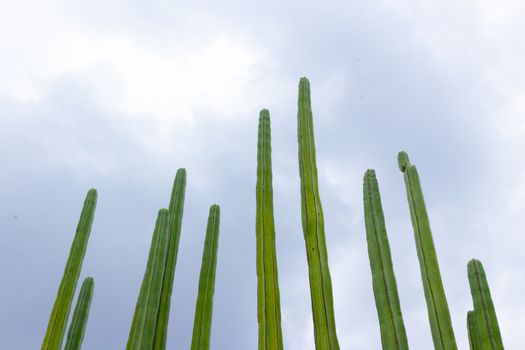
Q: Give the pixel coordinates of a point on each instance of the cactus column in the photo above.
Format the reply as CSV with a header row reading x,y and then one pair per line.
x,y
75,335
268,304
58,321
472,328
204,307
313,227
176,209
438,313
393,334
485,320
144,326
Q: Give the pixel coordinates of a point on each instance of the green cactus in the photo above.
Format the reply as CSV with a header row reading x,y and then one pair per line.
x,y
268,304
473,334
58,321
313,227
204,307
144,326
438,313
176,209
75,335
485,314
393,334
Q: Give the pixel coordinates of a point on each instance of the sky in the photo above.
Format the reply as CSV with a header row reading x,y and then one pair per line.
x,y
117,95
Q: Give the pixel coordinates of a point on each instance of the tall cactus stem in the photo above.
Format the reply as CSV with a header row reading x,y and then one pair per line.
x,y
393,334
59,315
176,208
204,307
438,312
484,311
77,328
143,328
268,300
313,227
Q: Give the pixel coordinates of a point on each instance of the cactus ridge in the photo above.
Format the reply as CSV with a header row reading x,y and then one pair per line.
x,y
204,308
268,306
393,334
313,226
77,328
484,311
58,320
438,312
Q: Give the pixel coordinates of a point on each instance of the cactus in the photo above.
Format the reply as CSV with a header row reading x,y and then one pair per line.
x,y
438,313
58,321
75,335
176,208
204,307
393,334
485,314
143,328
313,227
268,304
472,328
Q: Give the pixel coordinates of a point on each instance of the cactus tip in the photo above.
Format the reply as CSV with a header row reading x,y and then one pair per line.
x,y
402,160
370,174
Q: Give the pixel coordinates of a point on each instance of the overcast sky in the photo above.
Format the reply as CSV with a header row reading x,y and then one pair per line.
x,y
117,95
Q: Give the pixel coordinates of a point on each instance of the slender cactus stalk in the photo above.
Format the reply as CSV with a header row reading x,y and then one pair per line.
x,y
438,313
143,328
393,334
473,333
58,321
313,227
268,301
77,328
176,209
485,314
204,307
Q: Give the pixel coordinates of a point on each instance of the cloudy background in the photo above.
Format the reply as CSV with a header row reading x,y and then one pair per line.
x,y
117,95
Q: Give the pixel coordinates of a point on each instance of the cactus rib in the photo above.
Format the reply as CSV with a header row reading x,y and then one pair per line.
x,y
176,208
204,306
77,328
393,334
268,300
484,311
143,328
60,313
313,227
438,312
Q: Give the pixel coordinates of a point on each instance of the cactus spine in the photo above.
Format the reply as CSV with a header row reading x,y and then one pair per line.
x,y
204,307
58,321
438,313
484,313
313,227
176,209
143,328
473,334
268,304
75,335
393,334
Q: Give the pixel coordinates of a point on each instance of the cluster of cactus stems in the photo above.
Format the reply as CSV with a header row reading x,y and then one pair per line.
x,y
149,326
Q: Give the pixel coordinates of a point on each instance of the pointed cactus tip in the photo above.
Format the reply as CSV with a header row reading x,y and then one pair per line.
x,y
402,160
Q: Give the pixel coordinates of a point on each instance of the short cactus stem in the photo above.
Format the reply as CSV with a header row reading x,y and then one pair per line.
x,y
268,300
393,334
437,306
59,316
144,326
472,328
204,307
313,227
484,311
77,328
